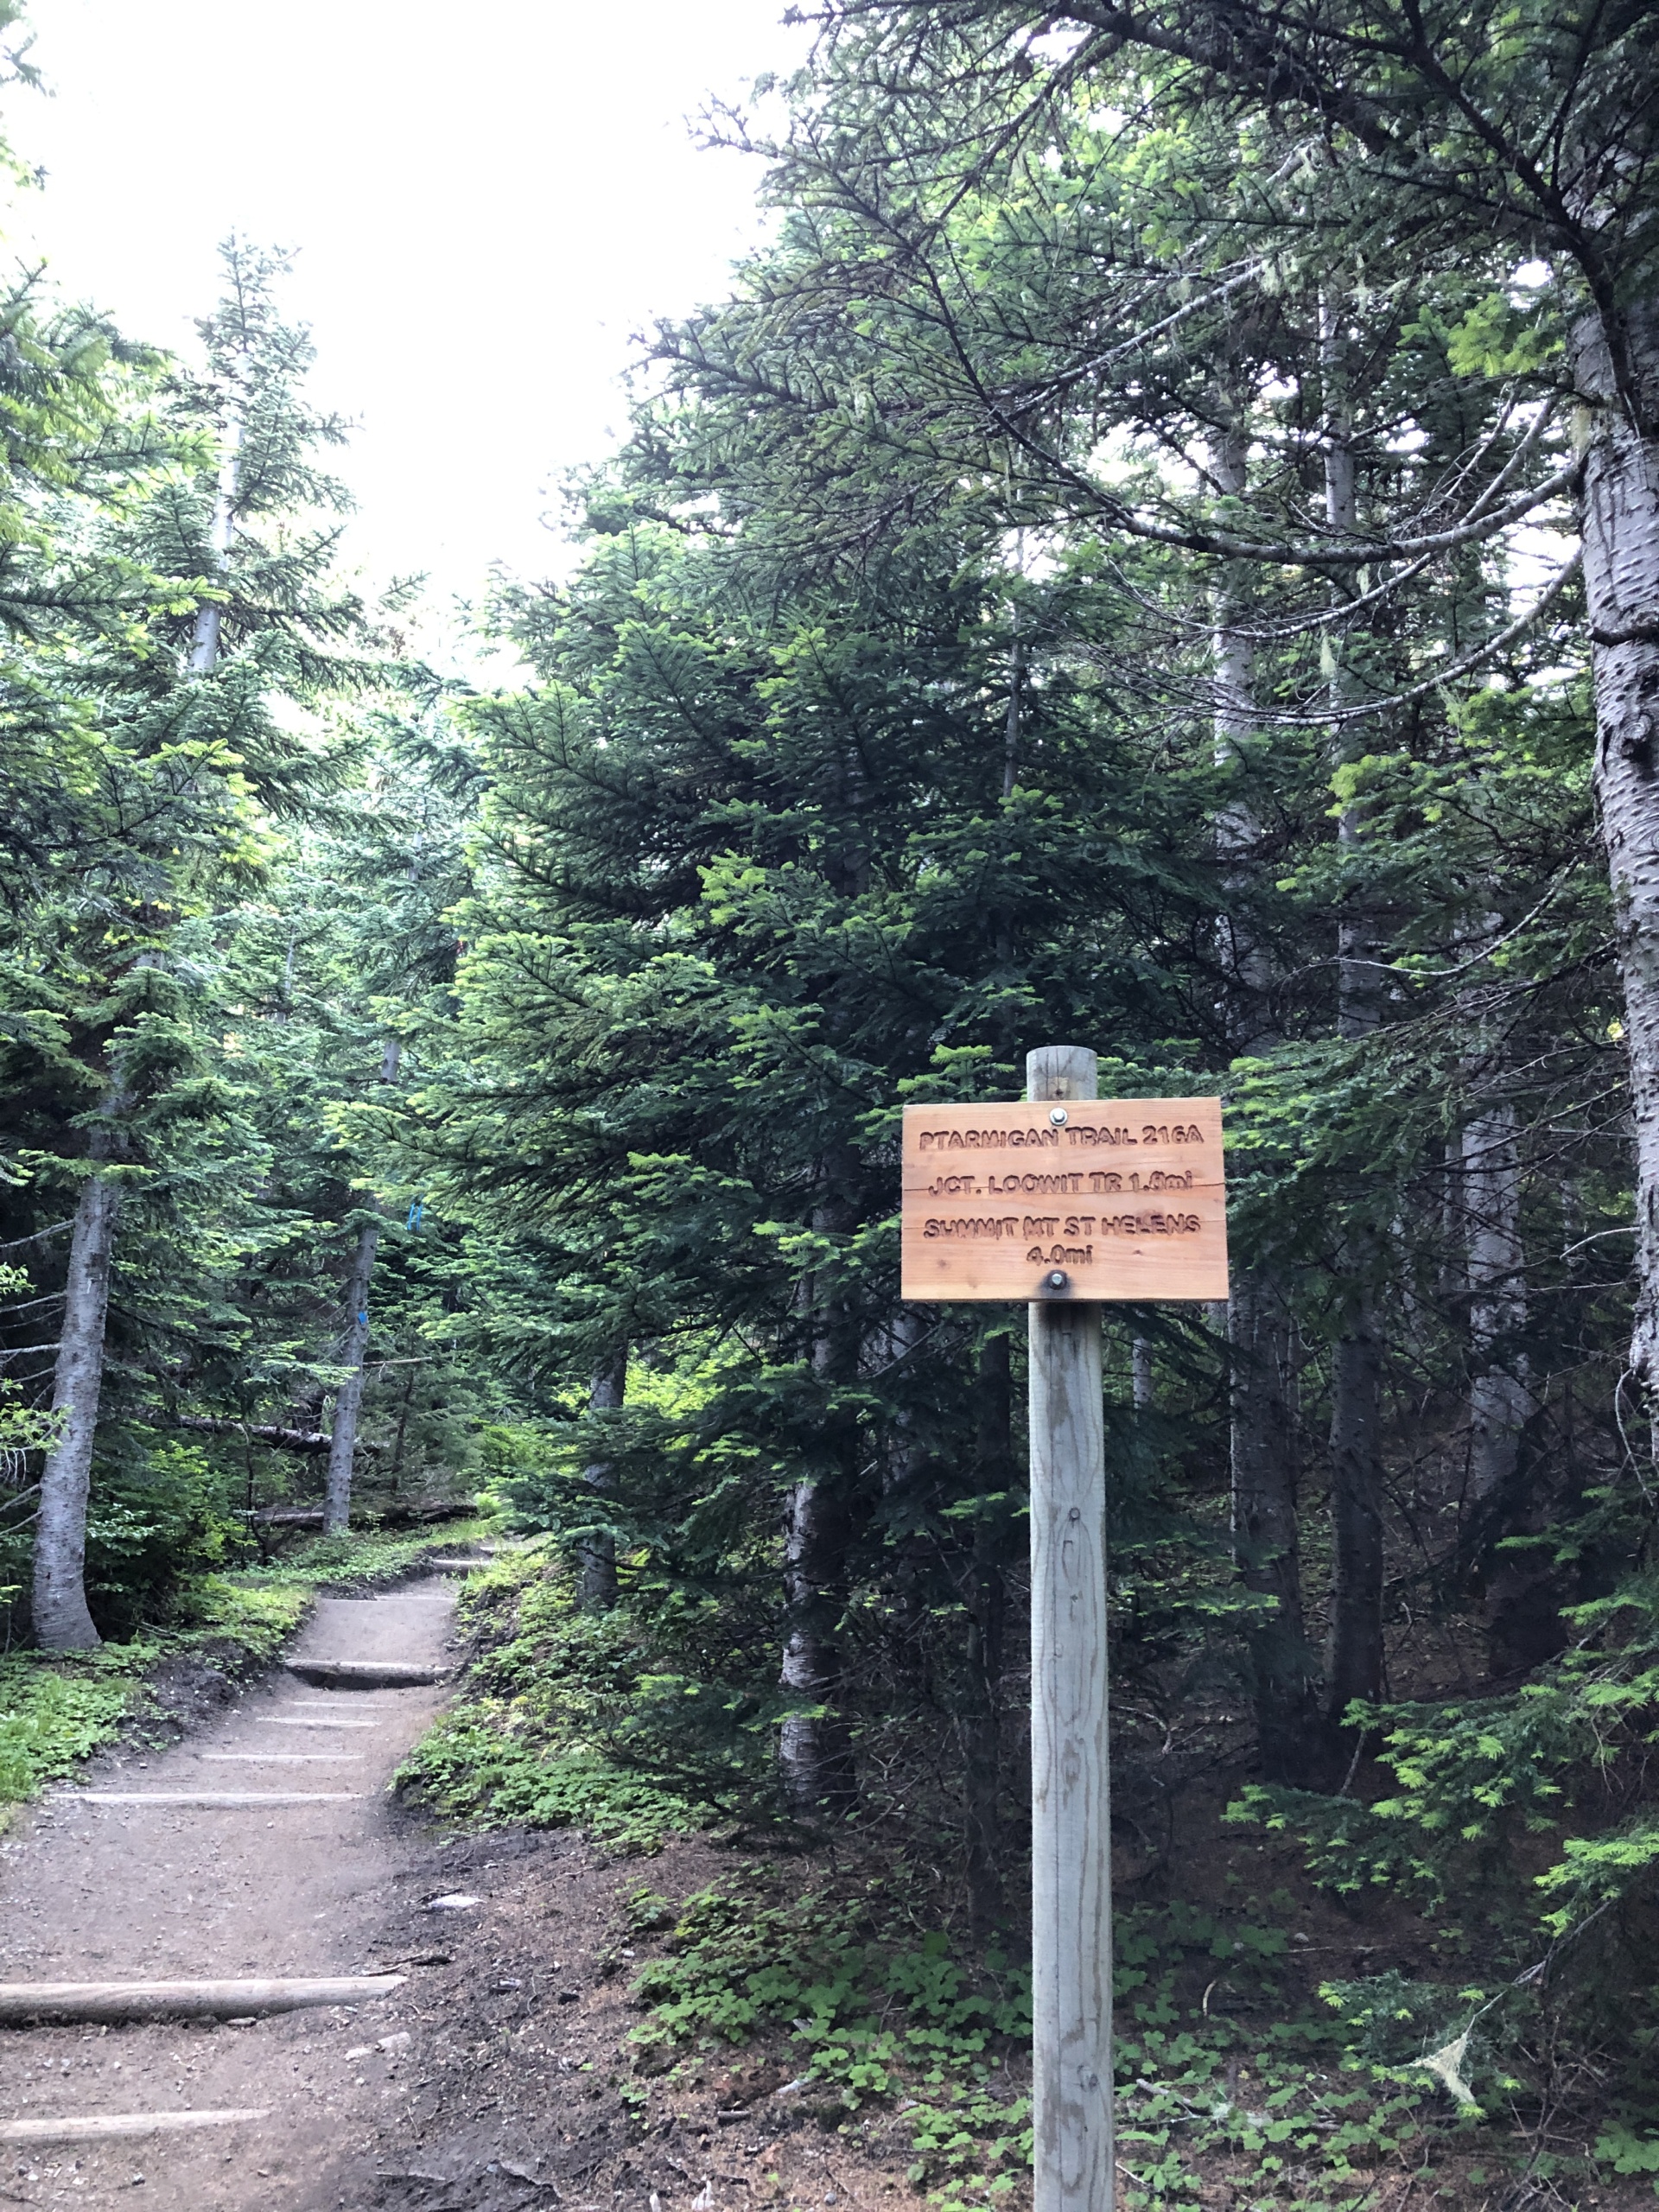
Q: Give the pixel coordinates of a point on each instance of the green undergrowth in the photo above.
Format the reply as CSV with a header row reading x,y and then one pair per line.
x,y
56,1711
881,2020
1522,1825
1235,2063
53,1713
362,1559
560,1723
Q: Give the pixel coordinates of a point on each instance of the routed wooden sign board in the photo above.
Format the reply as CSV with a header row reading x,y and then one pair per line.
x,y
1124,1198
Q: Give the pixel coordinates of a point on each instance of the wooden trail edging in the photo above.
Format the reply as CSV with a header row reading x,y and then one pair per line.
x,y
185,2000
96,2127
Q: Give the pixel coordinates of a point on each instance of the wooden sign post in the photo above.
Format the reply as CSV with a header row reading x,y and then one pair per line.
x,y
1066,1202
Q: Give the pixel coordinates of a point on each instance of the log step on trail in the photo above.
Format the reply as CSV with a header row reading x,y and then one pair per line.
x,y
284,1758
364,1673
334,1703
97,2128
185,2000
205,1797
312,1721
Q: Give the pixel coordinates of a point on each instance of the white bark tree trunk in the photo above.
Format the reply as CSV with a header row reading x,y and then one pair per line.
x,y
342,1441
814,1748
62,1620
1619,434
1143,1390
596,1574
815,1753
204,648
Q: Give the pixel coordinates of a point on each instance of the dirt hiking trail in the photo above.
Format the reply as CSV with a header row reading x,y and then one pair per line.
x,y
486,2080
108,1891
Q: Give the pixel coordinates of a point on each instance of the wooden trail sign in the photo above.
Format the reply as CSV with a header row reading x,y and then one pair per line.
x,y
1062,1202
1124,1198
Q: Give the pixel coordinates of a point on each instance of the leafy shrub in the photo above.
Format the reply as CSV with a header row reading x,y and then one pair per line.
x,y
570,1719
1474,1780
875,2010
152,1528
53,1715
872,2009
472,1768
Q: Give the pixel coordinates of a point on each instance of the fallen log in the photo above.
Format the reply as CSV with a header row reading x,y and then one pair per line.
x,y
98,2127
364,1673
185,2000
265,1432
394,1516
220,1798
262,1432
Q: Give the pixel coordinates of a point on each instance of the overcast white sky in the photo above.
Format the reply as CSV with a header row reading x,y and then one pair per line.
x,y
487,202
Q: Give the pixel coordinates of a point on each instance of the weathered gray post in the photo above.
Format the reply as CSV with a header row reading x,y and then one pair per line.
x,y
1071,1905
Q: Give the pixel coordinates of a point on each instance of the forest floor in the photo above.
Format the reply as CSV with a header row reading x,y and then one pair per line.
x,y
505,2071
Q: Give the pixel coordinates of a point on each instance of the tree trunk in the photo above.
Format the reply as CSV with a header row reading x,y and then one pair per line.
x,y
814,1744
1263,1425
1499,1398
596,1557
1620,525
1355,1668
815,1752
204,646
1267,1549
980,1722
61,1620
1245,1015
342,1441
402,1432
1141,1390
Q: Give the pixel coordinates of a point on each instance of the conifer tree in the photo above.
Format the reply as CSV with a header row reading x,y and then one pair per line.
x,y
190,751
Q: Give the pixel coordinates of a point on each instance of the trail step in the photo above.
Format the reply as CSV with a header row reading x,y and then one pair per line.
x,y
205,1797
285,1758
309,1720
186,2000
339,1702
364,1673
98,2127
454,1565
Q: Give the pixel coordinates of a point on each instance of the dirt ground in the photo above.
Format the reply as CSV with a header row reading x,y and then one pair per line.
x,y
487,2081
